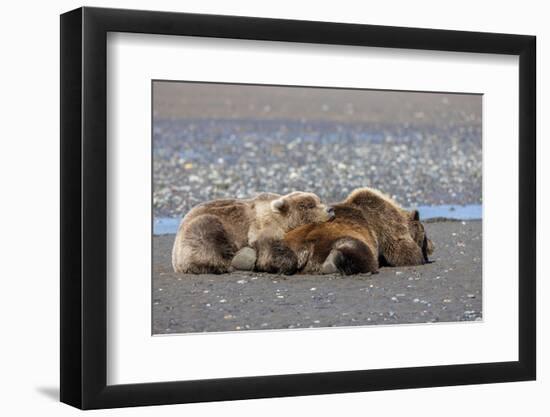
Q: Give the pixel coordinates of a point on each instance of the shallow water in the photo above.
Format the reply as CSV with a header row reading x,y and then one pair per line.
x,y
169,225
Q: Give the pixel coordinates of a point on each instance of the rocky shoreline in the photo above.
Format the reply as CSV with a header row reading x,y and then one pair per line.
x,y
225,141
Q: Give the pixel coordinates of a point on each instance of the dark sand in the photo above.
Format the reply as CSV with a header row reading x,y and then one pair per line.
x,y
447,290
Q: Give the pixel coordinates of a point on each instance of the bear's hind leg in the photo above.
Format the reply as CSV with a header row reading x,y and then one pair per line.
x,y
350,256
274,256
205,249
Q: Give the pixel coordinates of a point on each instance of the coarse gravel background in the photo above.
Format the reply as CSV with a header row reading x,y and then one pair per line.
x,y
224,141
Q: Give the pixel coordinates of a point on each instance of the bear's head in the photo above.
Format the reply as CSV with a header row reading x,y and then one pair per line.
x,y
418,234
299,208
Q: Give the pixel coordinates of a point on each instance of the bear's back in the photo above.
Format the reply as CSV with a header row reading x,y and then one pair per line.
x,y
384,216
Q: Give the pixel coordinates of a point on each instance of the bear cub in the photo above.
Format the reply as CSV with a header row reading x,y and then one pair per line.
x,y
212,233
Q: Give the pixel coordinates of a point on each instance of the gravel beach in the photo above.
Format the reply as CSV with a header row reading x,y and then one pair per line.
x,y
221,141
447,290
224,141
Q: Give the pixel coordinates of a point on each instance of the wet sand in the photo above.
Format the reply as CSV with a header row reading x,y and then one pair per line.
x,y
447,290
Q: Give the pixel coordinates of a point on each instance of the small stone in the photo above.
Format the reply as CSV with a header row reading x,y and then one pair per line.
x,y
223,300
244,259
471,296
416,300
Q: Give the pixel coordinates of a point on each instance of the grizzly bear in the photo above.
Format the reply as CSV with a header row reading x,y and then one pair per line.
x,y
212,233
370,230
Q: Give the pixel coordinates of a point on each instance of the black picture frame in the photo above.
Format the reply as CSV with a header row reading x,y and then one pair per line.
x,y
84,207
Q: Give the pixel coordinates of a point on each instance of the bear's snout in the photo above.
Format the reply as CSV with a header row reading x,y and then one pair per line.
x,y
330,212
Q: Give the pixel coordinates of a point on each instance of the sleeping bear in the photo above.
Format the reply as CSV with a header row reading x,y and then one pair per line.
x,y
370,230
212,233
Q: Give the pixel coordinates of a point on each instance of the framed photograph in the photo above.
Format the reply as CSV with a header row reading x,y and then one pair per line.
x,y
257,208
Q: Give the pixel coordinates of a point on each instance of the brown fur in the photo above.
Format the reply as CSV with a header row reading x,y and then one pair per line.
x,y
370,229
212,233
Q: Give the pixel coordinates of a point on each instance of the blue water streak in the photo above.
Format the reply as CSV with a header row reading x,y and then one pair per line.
x,y
168,225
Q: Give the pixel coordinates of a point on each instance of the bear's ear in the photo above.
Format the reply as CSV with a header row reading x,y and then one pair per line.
x,y
415,215
280,205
